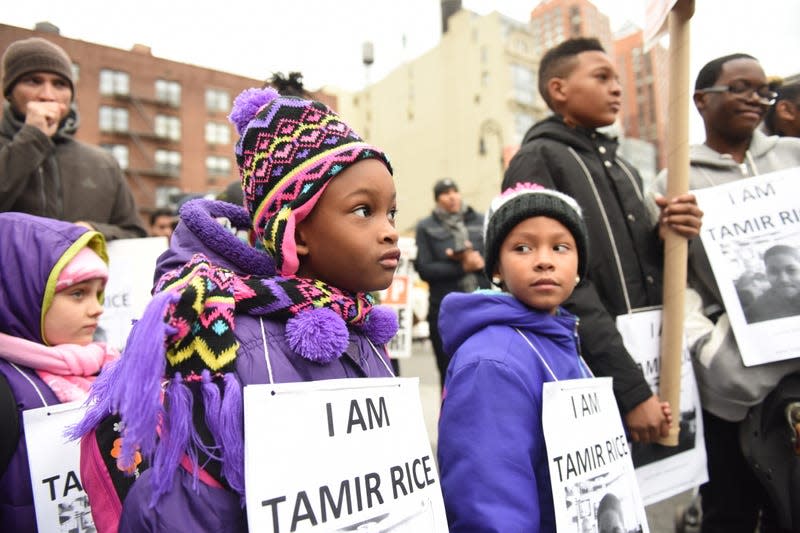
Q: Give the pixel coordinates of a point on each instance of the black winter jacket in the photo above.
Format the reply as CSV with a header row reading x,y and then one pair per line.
x,y
63,178
625,257
432,263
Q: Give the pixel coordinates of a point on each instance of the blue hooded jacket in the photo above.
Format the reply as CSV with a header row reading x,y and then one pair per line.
x,y
491,449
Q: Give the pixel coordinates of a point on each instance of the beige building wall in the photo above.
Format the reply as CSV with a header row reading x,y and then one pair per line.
x,y
431,113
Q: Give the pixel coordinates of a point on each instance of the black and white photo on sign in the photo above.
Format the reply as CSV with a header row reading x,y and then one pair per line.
x,y
664,471
769,286
751,235
602,504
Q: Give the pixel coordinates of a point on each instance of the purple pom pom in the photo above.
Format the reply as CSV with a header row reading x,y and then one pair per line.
x,y
319,335
247,104
381,324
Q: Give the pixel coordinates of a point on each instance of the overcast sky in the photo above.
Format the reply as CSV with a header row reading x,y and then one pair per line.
x,y
323,38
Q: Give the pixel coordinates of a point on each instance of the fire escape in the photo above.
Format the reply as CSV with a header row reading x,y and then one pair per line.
x,y
146,138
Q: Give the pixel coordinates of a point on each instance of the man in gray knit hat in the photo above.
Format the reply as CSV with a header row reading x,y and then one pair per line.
x,y
44,171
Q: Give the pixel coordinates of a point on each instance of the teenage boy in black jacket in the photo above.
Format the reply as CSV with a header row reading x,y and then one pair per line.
x,y
579,83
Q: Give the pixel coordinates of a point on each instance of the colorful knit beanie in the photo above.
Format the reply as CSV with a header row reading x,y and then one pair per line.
x,y
288,152
527,200
34,55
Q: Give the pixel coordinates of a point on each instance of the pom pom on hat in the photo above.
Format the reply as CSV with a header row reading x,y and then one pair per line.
x,y
527,200
247,104
289,150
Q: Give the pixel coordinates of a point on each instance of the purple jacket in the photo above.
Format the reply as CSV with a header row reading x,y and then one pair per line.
x,y
493,401
210,508
31,248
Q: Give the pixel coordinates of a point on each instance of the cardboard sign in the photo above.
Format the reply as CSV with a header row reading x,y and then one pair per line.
x,y
58,496
591,472
742,221
664,471
340,455
399,296
130,278
655,21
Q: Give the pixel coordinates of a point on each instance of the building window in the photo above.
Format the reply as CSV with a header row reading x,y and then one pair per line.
x,y
524,82
218,166
217,100
120,153
484,55
485,78
113,119
217,133
168,162
76,73
168,92
114,82
522,123
166,196
168,127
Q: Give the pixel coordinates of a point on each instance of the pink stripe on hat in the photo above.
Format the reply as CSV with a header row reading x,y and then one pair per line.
x,y
85,265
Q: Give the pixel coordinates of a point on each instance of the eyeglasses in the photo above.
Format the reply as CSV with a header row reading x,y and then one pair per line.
x,y
743,88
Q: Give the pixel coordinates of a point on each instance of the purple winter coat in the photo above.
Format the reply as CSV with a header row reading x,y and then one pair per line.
x,y
216,509
30,248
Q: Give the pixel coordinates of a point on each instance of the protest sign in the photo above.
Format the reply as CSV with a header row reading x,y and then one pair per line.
x,y
744,220
399,297
591,471
340,455
131,263
664,471
58,496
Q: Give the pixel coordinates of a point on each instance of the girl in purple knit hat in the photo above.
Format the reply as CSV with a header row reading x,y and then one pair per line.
x,y
52,277
291,305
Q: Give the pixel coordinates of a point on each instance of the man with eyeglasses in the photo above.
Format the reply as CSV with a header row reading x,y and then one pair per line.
x,y
732,96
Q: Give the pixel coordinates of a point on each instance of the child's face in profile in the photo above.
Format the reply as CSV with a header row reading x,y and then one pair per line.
x,y
72,317
783,272
349,239
538,263
590,96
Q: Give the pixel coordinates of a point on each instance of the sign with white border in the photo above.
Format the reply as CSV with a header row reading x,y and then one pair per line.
x,y
340,455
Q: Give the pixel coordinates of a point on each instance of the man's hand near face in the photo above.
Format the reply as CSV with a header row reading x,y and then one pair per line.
x,y
45,116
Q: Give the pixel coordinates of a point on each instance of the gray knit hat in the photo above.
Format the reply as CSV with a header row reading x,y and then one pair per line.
x,y
527,200
34,55
442,186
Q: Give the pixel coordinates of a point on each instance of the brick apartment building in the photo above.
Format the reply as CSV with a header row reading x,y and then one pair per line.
x,y
164,121
644,78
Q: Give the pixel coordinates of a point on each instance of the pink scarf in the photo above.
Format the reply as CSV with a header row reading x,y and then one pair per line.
x,y
68,369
